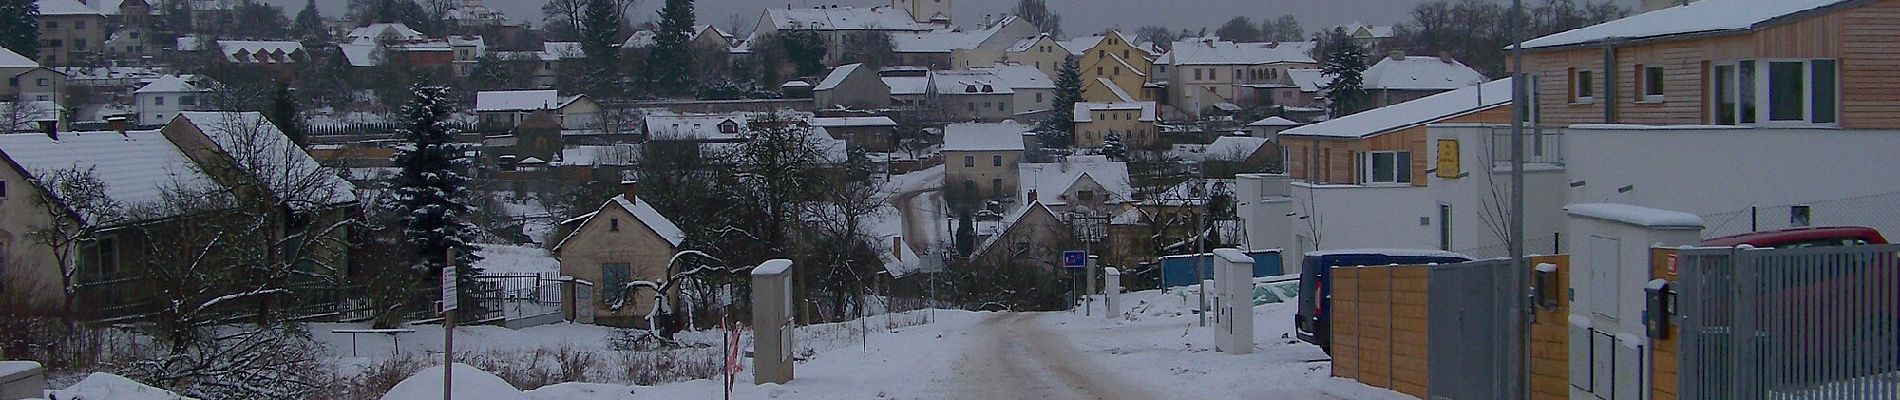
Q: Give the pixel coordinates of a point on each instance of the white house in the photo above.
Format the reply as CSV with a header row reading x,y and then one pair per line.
x,y
164,98
504,109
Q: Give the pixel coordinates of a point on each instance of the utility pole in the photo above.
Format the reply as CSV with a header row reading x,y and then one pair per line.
x,y
1522,303
450,299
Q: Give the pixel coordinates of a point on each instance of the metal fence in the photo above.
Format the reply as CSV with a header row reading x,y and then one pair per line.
x,y
1472,341
1810,323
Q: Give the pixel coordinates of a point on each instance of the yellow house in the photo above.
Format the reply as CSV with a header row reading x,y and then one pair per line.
x,y
1042,52
1134,121
1113,58
626,241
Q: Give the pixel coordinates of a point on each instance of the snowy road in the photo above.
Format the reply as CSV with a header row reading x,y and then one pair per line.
x,y
1016,355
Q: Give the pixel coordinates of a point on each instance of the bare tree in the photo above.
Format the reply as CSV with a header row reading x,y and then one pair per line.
x,y
22,116
77,207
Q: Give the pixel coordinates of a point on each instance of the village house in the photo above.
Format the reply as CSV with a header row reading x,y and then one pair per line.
x,y
980,160
835,24
1042,52
70,32
1086,185
1134,122
972,96
1114,60
138,168
1398,78
28,81
1028,241
158,102
869,133
853,86
937,49
1208,72
1387,146
503,110
624,242
1230,155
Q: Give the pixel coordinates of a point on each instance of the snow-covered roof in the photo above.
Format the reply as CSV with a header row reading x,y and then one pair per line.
x,y
1702,16
100,385
66,7
1077,46
901,260
373,33
938,41
907,85
1018,76
1051,181
137,168
10,59
1274,121
361,55
169,84
844,18
561,50
663,125
837,76
1009,222
1376,31
641,211
1084,111
1030,43
1006,136
521,100
259,51
836,122
615,155
256,143
958,82
1636,215
1242,146
1115,89
1420,73
1308,79
1423,111
1214,52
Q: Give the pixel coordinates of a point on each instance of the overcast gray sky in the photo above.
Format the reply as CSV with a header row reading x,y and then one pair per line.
x,y
1078,16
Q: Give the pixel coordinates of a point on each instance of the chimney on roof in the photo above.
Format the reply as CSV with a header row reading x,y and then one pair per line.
x,y
116,123
1397,55
1445,57
630,189
1032,197
897,248
51,128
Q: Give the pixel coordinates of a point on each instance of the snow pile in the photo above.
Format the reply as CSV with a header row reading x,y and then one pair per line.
x,y
470,384
104,386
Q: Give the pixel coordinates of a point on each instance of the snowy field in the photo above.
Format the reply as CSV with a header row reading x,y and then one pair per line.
x,y
1153,350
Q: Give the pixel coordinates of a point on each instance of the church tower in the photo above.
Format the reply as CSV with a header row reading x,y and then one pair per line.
x,y
928,11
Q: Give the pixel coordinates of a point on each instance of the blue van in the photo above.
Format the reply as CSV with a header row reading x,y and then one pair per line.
x,y
1313,321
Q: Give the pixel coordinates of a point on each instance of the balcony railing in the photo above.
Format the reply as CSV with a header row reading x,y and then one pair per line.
x,y
1543,146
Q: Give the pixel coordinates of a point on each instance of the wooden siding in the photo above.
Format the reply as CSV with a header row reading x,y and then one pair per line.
x,y
1861,38
1550,338
1663,352
1338,167
1380,324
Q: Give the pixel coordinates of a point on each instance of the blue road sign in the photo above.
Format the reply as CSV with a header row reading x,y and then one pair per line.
x,y
1075,259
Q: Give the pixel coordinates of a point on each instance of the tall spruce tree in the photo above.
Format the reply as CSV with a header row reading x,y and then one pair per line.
x,y
1058,131
1113,148
20,27
310,22
285,114
600,31
672,60
1346,64
430,192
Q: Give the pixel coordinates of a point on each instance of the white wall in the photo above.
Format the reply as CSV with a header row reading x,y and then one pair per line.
x,y
1480,201
1353,216
1718,173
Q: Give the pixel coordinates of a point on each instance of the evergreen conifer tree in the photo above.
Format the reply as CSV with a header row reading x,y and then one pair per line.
x,y
20,27
285,114
672,60
1058,131
1113,148
600,32
310,22
431,193
1346,64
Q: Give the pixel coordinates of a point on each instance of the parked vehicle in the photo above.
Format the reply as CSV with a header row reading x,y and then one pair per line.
x,y
1314,320
1803,237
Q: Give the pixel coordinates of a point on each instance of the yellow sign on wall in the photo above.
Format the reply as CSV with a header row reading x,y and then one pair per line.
x,y
1448,159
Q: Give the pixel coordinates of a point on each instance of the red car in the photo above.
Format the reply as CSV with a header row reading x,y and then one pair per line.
x,y
1803,237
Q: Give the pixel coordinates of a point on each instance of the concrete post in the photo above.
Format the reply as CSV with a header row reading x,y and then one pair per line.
x,y
22,380
1233,285
1113,284
772,324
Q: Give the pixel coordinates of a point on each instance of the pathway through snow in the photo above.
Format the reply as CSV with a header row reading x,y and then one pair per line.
x,y
1016,356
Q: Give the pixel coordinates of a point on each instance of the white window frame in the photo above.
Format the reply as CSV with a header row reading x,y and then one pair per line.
x,y
1761,92
1582,92
1399,170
